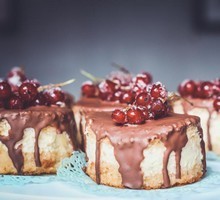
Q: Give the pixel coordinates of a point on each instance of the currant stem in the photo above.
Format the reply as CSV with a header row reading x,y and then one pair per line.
x,y
45,87
90,76
120,67
174,97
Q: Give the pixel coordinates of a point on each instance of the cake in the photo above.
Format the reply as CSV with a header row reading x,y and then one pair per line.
x,y
201,98
144,145
37,126
116,91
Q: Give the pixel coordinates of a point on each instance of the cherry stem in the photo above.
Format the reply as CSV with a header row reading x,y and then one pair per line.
x,y
45,87
120,67
90,76
174,97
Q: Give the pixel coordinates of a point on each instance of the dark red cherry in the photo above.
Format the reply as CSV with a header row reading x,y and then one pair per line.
x,y
5,90
40,100
135,116
158,91
143,99
17,72
28,91
119,116
187,88
127,97
54,95
15,102
216,104
88,89
207,89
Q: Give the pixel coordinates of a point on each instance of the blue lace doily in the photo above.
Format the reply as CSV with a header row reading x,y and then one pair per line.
x,y
71,171
22,180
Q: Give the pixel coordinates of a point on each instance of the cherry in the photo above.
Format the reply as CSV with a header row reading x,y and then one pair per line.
x,y
135,116
144,78
28,91
207,89
5,90
187,88
40,100
143,99
119,116
54,95
88,89
216,104
158,91
127,97
15,102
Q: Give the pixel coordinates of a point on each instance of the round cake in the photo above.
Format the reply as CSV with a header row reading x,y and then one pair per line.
x,y
157,154
37,126
202,100
36,139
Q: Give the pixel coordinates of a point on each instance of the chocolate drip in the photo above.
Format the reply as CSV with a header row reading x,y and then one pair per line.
x,y
129,143
174,142
37,118
204,104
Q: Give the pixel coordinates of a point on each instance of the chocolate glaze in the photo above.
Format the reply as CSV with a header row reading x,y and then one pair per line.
x,y
205,104
95,104
37,117
129,142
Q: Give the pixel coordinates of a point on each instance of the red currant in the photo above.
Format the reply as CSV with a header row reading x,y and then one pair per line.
x,y
2,104
106,89
158,108
207,89
145,112
135,116
15,102
5,90
127,97
28,91
119,116
116,96
187,88
143,99
54,95
216,104
158,91
88,89
39,100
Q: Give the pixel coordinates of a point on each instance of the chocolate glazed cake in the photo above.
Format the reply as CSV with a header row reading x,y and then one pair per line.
x,y
36,139
157,154
209,119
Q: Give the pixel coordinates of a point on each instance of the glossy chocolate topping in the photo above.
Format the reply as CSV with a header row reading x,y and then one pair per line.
x,y
95,104
205,104
129,142
37,117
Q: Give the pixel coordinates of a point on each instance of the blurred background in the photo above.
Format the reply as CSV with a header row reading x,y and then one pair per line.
x,y
54,39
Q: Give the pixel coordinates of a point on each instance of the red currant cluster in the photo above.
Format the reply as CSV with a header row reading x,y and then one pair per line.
x,y
201,89
118,87
17,92
150,103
